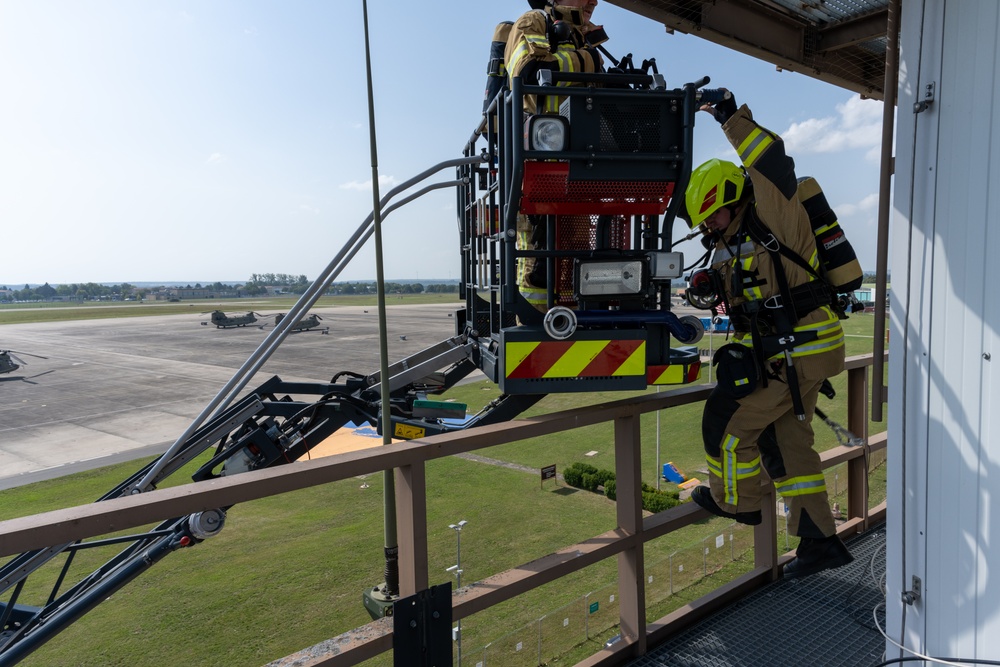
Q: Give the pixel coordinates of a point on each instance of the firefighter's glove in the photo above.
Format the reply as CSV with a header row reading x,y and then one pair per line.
x,y
725,109
596,35
736,370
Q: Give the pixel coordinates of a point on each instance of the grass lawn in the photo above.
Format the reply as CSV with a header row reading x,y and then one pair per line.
x,y
60,311
288,571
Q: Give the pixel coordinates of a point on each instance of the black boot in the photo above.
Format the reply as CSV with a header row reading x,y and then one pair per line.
x,y
815,555
702,496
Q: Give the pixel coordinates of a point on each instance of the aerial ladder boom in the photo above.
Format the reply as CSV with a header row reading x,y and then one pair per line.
x,y
605,198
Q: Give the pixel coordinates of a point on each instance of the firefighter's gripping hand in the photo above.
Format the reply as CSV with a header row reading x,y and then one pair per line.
x,y
724,109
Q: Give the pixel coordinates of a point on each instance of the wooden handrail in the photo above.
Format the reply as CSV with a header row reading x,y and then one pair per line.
x,y
626,542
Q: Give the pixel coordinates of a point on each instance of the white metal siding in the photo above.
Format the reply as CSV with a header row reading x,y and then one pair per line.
x,y
945,317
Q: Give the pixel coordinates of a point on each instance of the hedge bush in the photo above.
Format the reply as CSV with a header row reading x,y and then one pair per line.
x,y
575,472
585,476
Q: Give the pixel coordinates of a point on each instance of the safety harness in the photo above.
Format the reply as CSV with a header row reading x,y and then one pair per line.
x,y
772,321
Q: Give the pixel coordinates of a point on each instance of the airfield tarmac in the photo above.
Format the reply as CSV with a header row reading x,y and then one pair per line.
x,y
119,389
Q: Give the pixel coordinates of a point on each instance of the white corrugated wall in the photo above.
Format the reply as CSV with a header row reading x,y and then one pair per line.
x,y
944,487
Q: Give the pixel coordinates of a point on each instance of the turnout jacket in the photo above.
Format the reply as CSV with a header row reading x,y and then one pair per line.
x,y
776,204
529,50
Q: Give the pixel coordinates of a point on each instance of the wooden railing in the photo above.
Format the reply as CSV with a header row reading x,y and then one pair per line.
x,y
625,542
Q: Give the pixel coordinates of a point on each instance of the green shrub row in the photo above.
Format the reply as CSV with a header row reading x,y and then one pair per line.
x,y
586,476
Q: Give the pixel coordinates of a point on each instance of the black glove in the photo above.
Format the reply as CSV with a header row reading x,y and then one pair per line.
x,y
725,109
597,35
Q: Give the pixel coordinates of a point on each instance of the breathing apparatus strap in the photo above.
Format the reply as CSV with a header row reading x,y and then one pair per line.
x,y
785,316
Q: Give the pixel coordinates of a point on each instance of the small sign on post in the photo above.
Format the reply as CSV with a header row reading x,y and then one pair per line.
x,y
548,472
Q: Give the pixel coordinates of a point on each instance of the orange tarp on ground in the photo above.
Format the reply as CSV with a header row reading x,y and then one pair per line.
x,y
348,439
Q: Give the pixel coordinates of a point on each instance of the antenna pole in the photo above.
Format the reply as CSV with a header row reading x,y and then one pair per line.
x,y
389,487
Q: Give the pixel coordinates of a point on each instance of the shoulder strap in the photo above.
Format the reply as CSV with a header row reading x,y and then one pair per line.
x,y
762,234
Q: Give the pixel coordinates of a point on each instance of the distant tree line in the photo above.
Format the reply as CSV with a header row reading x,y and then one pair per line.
x,y
299,284
80,291
256,286
288,283
392,288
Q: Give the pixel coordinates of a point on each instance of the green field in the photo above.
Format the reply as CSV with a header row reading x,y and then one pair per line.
x,y
61,311
288,571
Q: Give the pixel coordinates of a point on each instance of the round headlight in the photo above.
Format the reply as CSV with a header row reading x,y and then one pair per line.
x,y
548,134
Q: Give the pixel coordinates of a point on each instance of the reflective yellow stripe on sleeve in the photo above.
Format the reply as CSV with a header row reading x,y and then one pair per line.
x,y
537,41
519,53
755,144
565,60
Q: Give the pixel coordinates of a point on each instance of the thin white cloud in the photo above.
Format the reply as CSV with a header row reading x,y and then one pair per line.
x,y
250,31
306,208
874,154
858,124
215,158
868,203
186,17
383,181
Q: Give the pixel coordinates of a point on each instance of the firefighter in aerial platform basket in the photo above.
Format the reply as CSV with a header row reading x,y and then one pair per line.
x,y
555,35
765,268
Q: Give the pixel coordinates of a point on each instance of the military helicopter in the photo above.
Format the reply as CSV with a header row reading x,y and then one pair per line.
x,y
304,324
223,321
10,362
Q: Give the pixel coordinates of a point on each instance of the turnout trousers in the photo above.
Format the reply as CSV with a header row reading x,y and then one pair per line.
x,y
760,430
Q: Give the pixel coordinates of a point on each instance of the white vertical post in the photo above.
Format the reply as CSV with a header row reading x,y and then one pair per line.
x,y
659,469
457,569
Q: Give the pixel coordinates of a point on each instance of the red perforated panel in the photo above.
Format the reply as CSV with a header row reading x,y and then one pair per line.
x,y
579,232
547,190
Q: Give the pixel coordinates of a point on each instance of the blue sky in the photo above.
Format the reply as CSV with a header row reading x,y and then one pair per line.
x,y
203,141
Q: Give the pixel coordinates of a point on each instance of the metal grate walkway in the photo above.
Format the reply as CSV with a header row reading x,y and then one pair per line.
x,y
820,621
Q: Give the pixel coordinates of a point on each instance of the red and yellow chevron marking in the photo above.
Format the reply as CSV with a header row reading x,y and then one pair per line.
x,y
582,358
673,374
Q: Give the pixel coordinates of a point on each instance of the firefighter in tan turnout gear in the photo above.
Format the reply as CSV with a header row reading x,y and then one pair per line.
x,y
787,340
556,36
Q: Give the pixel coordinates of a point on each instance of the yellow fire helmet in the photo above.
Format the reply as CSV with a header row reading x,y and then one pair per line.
x,y
714,184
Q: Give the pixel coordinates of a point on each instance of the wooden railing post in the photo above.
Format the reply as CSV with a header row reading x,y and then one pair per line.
x,y
765,535
411,510
631,561
857,423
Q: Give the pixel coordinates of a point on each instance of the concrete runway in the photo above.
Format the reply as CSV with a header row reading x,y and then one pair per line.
x,y
119,389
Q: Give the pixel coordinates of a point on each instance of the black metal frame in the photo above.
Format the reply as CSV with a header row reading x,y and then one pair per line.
x,y
493,192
